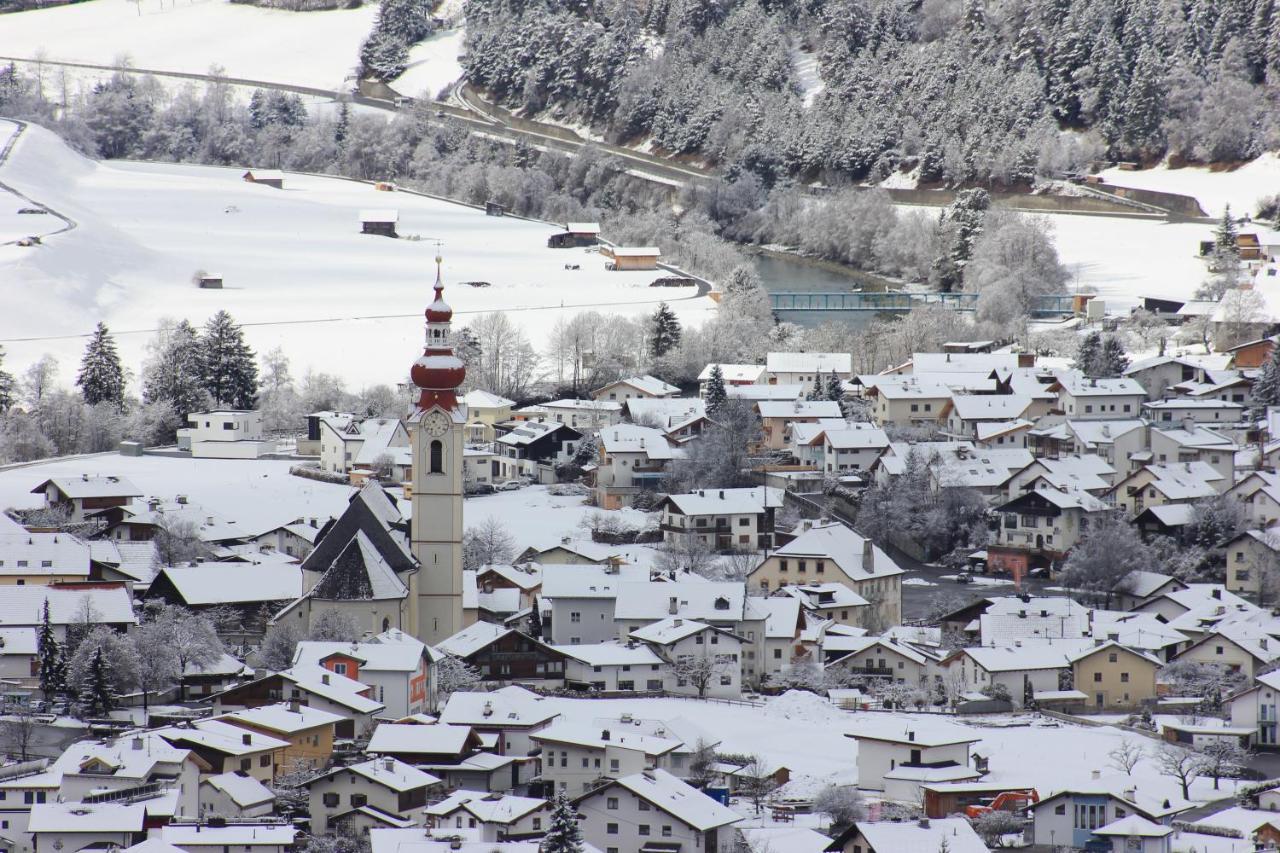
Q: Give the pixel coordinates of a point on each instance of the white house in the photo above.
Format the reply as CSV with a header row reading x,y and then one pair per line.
x,y
615,667
705,661
243,837
1081,397
235,794
853,448
496,817
576,756
654,807
75,826
802,368
384,790
394,664
225,434
884,745
636,387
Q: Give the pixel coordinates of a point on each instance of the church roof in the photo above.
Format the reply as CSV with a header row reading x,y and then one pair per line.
x,y
359,573
373,513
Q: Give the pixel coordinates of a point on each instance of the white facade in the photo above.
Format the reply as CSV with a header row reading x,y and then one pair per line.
x,y
225,434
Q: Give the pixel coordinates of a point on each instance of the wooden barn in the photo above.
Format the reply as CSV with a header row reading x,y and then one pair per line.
x,y
631,257
266,177
381,222
575,235
210,281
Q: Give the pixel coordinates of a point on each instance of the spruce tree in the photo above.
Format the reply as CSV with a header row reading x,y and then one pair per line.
x,y
96,696
101,378
1089,355
1266,391
1224,236
227,366
343,126
818,391
716,395
8,387
563,834
53,663
666,331
1113,360
835,388
175,377
1144,106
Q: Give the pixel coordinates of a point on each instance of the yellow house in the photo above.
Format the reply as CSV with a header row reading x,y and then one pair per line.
x,y
483,411
1238,647
1252,556
308,731
1115,677
42,559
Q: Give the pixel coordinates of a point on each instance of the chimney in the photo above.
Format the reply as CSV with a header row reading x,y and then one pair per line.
x,y
137,744
672,608
722,494
324,679
677,623
923,823
1130,793
295,706
246,739
1217,592
488,709
1096,774
911,736
389,764
604,735
868,556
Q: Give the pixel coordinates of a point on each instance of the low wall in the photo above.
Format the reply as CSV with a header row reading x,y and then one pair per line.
x,y
1181,205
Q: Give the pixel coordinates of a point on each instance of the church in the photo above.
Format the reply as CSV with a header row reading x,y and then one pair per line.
x,y
386,571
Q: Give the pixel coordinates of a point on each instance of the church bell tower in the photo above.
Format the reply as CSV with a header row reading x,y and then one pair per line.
x,y
436,426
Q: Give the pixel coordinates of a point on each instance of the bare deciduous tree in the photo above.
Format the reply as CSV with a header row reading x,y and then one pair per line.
x,y
1180,764
1126,756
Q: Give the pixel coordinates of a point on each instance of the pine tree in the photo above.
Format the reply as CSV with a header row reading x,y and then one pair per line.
x,y
97,697
1224,236
1113,360
228,370
343,125
175,376
818,391
1266,391
1089,355
1144,107
666,331
101,378
716,396
53,663
563,834
835,388
8,387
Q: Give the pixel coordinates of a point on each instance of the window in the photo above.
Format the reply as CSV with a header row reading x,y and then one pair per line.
x,y
777,654
782,566
576,616
264,760
1097,676
644,805
613,765
611,829
1124,678
1060,808
245,764
340,668
359,800
666,831
331,800
642,829
1112,658
744,522
437,457
611,803
820,566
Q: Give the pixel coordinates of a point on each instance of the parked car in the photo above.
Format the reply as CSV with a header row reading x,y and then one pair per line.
x,y
508,485
964,577
481,489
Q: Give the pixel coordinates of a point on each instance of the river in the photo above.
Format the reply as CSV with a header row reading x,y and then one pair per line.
x,y
786,273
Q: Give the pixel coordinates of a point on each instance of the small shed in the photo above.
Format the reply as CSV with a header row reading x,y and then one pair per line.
x,y
493,208
575,235
266,177
209,281
130,448
381,222
631,257
385,187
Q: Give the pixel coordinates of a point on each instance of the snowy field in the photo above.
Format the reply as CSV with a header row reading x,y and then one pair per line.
x,y
302,48
297,272
433,65
1241,188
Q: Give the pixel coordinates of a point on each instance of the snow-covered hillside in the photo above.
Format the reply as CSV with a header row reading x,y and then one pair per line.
x,y
302,48
1214,189
297,272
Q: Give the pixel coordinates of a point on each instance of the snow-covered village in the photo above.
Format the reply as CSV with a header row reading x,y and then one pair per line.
x,y
639,426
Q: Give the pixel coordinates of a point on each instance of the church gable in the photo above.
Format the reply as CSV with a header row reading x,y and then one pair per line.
x,y
359,573
371,513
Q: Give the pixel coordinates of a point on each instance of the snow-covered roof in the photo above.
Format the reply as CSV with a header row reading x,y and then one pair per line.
x,y
1088,472
408,738
629,438
922,732
844,547
668,413
222,736
1029,657
1141,583
281,718
510,706
225,665
711,600
988,431
207,584
1199,437
668,794
635,251
187,835
746,501
1247,821
980,467
480,399
1092,433
793,839
1076,384
23,605
494,808
1067,499
32,554
646,384
809,362
374,656
473,638
667,631
86,818
796,409
823,595
845,645
582,227
962,362
389,772
612,654
571,580
1172,515
526,576
380,215
336,688
765,392
95,486
243,789
953,834
856,436
596,737
990,407
735,373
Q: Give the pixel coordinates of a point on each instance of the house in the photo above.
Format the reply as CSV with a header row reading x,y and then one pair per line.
x,y
678,418
225,434
19,661
588,754
79,496
496,817
505,654
58,826
805,368
833,602
1115,678
835,553
1252,558
1251,354
366,445
1021,671
579,601
1069,817
653,807
534,448
235,795
721,519
965,413
379,792
852,448
308,731
1258,707
575,235
777,417
1008,620
23,606
1259,491
265,177
1181,409
1119,442
1257,825
114,769
395,666
910,402
484,411
521,582
309,442
227,749
422,745
586,415
705,661
1000,434
381,222
1085,398
872,658
953,834
734,374
1040,528
1238,646
512,713
250,836
636,387
630,257
244,586
631,459
1159,485
1194,443
1139,587
1073,473
43,559
1136,834
615,667
886,745
1164,520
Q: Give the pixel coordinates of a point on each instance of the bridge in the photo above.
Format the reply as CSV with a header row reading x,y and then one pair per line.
x,y
1051,305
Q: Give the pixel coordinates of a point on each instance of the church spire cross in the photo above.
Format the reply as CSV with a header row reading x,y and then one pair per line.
x,y
438,372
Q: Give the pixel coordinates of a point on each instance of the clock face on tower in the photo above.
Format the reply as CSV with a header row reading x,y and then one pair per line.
x,y
436,424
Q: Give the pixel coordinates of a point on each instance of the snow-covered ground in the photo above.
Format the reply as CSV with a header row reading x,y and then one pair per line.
x,y
1241,188
302,48
433,65
297,272
808,75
